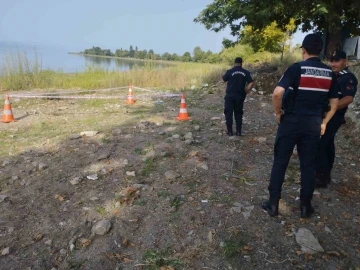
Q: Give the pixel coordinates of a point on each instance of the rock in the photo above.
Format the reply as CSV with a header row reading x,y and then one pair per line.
x,y
188,141
63,251
75,181
260,139
193,153
101,228
48,242
162,133
74,136
247,211
5,251
132,173
42,166
176,136
92,177
197,127
125,162
236,209
89,133
6,162
203,166
188,136
261,92
307,241
327,229
11,229
3,198
94,199
150,155
105,154
138,186
128,136
284,209
171,175
215,118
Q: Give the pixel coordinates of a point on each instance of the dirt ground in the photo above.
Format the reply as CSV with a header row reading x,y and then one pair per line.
x,y
169,196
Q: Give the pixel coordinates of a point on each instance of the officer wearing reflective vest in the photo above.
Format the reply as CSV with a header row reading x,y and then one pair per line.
x,y
309,84
347,86
236,79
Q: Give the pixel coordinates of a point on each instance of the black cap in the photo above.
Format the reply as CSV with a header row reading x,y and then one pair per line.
x,y
238,60
313,43
337,55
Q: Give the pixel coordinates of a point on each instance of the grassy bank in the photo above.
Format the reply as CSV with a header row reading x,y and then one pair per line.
x,y
19,73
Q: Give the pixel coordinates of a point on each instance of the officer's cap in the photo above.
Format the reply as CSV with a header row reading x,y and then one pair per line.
x,y
238,60
313,42
337,55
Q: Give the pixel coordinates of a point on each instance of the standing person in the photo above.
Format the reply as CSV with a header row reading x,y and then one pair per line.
x,y
347,86
309,85
236,79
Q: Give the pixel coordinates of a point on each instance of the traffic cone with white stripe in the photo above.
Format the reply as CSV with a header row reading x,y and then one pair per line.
x,y
130,97
7,116
183,115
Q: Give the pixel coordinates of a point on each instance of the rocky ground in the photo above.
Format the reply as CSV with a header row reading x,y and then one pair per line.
x,y
174,195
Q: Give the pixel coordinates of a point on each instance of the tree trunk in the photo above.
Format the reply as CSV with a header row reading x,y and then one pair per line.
x,y
333,42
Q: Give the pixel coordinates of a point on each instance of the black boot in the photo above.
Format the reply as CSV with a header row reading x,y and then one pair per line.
x,y
271,207
238,131
306,210
229,131
322,180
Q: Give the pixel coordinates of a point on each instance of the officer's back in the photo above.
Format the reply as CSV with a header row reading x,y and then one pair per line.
x,y
236,79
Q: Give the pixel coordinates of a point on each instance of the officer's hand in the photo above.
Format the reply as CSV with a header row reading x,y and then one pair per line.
x,y
278,117
323,128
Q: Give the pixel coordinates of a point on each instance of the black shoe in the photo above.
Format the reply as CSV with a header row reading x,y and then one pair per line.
x,y
271,208
230,133
306,211
238,131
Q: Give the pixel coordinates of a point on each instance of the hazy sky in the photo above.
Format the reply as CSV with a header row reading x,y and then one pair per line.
x,y
161,25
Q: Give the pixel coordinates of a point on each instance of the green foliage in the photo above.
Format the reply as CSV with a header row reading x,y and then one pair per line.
x,y
228,55
318,15
156,259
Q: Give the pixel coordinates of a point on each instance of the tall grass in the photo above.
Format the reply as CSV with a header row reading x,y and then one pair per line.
x,y
20,73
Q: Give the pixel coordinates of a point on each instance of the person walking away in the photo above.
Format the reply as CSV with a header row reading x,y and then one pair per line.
x,y
306,87
236,79
347,87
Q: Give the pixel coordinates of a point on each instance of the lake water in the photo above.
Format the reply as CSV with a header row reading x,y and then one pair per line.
x,y
59,59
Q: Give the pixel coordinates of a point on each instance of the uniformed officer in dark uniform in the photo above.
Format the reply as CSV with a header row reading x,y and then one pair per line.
x,y
347,86
236,79
306,87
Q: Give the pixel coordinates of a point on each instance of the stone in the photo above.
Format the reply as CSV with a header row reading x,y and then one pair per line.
x,y
89,133
75,181
215,118
48,242
42,166
188,136
3,198
101,228
307,241
92,177
284,209
235,209
171,175
149,155
74,136
188,141
63,251
5,251
176,136
94,199
203,165
197,127
261,139
132,173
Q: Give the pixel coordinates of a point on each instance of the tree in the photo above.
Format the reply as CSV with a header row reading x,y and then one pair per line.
x,y
186,57
199,54
325,16
131,51
227,43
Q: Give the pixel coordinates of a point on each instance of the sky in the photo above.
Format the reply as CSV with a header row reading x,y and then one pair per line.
x,y
74,25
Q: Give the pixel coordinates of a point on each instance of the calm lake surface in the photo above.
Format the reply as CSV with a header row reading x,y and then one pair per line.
x,y
59,59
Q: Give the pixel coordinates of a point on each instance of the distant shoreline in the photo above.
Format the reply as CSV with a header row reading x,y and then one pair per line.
x,y
127,58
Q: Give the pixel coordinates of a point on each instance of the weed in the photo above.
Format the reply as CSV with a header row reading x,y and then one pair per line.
x,y
156,259
140,202
149,167
176,202
163,194
101,210
139,151
232,247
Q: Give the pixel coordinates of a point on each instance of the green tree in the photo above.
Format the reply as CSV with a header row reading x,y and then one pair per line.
x,y
186,57
227,43
131,51
324,16
199,54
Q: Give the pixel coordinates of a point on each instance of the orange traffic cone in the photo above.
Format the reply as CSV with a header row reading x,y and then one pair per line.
x,y
7,116
183,115
130,97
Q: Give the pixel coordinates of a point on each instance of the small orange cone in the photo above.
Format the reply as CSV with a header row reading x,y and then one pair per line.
x,y
130,97
183,115
7,116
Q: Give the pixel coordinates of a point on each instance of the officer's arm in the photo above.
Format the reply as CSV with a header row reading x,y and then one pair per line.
x,y
333,102
345,101
249,87
277,98
225,77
